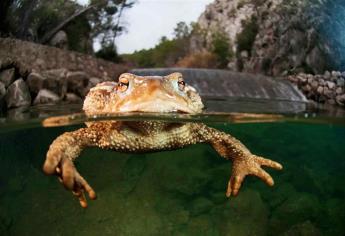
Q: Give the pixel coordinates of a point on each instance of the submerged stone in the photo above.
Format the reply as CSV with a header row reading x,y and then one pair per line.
x,y
303,229
245,214
201,205
298,208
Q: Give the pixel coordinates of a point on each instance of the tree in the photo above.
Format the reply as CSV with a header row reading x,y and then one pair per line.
x,y
40,20
182,30
105,20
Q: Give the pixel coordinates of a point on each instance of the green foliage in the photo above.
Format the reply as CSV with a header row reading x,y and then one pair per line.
x,y
142,58
78,34
105,19
166,53
246,38
182,30
109,53
36,20
221,47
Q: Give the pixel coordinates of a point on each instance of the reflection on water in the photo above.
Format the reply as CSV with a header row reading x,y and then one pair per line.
x,y
228,110
180,192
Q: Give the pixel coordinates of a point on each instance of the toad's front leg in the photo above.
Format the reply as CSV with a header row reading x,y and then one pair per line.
x,y
60,156
244,162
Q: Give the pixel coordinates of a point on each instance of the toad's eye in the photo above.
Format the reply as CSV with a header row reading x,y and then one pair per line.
x,y
122,86
181,84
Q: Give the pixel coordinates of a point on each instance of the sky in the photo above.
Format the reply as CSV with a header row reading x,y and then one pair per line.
x,y
148,20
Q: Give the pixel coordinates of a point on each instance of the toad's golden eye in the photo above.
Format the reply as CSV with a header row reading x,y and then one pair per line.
x,y
123,84
181,84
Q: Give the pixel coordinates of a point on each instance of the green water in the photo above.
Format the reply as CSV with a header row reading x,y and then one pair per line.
x,y
180,192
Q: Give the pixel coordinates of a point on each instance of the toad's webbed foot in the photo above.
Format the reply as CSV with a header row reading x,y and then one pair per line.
x,y
249,165
244,162
59,161
70,178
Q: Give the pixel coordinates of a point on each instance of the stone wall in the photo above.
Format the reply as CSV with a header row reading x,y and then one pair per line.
x,y
328,88
33,74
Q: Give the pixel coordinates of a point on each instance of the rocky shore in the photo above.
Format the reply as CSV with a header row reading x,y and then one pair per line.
x,y
32,74
328,88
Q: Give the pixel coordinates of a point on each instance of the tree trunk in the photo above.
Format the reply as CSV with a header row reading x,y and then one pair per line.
x,y
25,20
46,37
4,24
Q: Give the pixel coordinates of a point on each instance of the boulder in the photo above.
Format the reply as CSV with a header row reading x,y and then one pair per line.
x,y
327,74
77,82
55,81
18,94
298,208
45,96
320,90
246,214
60,40
35,82
2,96
73,98
339,91
340,99
305,228
2,90
93,81
330,84
7,77
201,205
341,82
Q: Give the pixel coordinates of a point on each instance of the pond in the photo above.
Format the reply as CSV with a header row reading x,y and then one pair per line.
x,y
180,192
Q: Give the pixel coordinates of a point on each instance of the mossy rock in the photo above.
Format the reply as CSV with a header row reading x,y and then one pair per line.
x,y
298,208
201,205
245,214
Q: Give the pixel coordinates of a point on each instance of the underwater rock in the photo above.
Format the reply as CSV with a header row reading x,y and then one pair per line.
x,y
335,209
298,208
45,96
18,94
201,205
303,229
173,171
132,171
201,225
245,214
278,196
7,76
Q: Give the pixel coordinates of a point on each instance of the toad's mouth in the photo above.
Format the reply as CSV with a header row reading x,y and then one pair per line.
x,y
157,106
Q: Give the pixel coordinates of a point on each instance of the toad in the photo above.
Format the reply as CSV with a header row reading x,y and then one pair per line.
x,y
134,93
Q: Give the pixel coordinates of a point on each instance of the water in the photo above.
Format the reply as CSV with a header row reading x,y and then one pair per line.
x,y
180,192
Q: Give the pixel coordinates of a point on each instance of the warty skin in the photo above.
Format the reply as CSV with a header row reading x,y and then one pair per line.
x,y
147,94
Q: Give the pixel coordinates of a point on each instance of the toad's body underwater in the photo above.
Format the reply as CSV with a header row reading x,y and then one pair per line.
x,y
147,94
